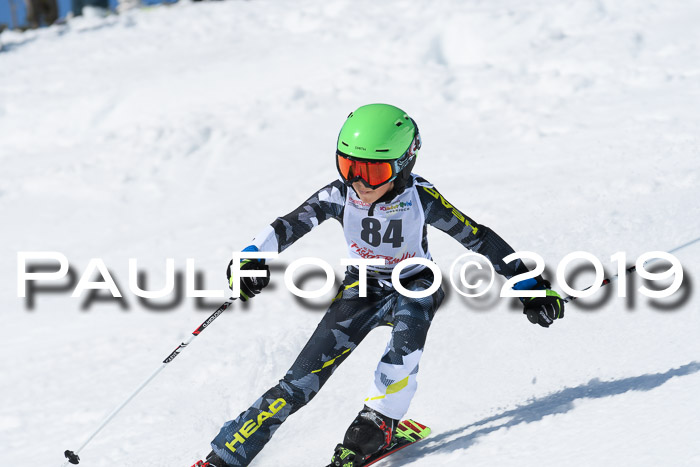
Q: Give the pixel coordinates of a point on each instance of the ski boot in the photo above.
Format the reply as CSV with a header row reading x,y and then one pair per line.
x,y
212,461
369,433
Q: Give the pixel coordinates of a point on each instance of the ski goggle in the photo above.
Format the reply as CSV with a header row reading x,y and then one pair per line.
x,y
373,173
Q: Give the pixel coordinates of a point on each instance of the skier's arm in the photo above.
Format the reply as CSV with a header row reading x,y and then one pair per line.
x,y
477,237
326,203
441,214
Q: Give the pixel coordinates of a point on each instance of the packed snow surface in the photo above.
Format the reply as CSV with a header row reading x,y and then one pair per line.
x,y
180,132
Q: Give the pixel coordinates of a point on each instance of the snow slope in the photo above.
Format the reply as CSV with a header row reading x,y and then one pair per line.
x,y
179,132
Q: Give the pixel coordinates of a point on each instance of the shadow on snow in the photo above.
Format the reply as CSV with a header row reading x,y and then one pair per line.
x,y
536,409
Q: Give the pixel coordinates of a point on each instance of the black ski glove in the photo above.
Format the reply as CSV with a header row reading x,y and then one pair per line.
x,y
250,286
541,310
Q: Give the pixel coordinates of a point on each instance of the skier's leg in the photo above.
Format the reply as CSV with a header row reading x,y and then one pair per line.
x,y
395,377
345,324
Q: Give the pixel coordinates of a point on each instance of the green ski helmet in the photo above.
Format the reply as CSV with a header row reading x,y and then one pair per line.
x,y
377,144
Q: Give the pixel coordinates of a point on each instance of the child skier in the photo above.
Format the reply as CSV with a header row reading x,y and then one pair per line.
x,y
384,210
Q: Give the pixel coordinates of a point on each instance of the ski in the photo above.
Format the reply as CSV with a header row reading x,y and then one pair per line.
x,y
407,432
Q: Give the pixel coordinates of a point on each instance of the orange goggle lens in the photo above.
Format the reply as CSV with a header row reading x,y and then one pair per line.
x,y
374,173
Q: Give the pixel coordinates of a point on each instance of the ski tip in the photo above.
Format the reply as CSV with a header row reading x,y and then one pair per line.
x,y
413,426
412,431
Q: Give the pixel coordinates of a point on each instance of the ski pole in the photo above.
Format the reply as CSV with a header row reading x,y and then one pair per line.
x,y
631,269
72,456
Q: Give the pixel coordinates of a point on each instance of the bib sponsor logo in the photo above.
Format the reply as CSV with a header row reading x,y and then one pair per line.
x,y
358,203
397,207
368,253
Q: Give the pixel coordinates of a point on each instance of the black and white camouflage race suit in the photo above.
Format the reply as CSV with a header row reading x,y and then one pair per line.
x,y
393,230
